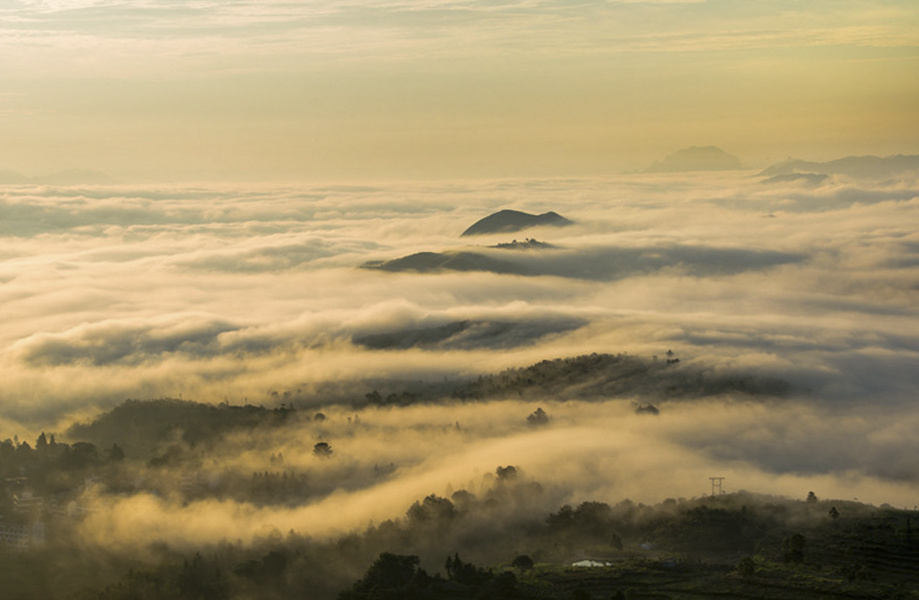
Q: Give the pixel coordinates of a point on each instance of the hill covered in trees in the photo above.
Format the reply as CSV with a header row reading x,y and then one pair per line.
x,y
496,546
509,221
142,424
608,375
160,466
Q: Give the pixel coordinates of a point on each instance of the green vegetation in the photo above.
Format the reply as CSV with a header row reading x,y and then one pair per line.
x,y
589,377
609,375
139,426
514,538
730,546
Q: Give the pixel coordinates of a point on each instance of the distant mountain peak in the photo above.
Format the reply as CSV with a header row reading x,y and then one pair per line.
x,y
696,158
852,166
509,220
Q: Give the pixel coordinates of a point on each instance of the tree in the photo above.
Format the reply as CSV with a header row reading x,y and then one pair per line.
x,y
747,567
506,473
199,581
538,417
465,573
433,508
522,562
562,518
793,548
115,453
811,498
389,577
81,455
322,450
834,514
504,585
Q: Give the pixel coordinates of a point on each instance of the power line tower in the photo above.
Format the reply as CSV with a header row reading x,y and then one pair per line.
x,y
716,485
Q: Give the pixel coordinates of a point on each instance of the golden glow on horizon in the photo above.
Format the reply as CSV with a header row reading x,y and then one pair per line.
x,y
433,89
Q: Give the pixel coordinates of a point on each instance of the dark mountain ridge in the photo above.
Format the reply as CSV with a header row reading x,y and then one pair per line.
x,y
853,166
429,262
696,158
507,221
466,335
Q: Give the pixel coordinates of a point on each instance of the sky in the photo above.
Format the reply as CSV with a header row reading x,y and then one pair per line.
x,y
384,89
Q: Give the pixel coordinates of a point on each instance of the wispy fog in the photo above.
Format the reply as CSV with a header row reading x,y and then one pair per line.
x,y
383,459
258,295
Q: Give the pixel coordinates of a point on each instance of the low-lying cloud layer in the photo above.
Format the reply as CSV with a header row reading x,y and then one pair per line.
x,y
597,263
384,459
249,294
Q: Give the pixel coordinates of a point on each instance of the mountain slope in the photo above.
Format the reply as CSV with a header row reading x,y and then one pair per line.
x,y
505,221
853,166
696,158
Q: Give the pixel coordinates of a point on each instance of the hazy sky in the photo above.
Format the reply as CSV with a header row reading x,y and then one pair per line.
x,y
320,89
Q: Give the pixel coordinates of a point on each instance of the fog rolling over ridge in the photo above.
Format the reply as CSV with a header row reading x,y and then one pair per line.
x,y
298,299
241,295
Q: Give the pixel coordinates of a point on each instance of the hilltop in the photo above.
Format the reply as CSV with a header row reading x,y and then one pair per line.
x,y
431,262
507,221
696,158
853,166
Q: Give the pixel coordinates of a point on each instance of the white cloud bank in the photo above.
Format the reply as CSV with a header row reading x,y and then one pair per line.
x,y
215,293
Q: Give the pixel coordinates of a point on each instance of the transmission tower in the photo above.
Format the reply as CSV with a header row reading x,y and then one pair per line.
x,y
716,485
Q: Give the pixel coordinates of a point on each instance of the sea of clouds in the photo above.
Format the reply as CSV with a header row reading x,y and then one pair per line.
x,y
256,294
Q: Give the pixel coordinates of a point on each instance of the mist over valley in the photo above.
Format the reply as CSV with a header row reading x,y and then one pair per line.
x,y
452,300
219,373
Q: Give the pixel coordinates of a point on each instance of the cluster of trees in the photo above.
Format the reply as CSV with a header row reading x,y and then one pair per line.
x,y
527,244
607,375
552,376
50,467
403,398
164,446
538,417
274,486
140,425
586,376
194,579
399,577
505,528
20,458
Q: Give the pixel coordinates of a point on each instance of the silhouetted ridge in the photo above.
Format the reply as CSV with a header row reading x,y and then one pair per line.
x,y
468,334
853,166
144,423
427,262
527,244
808,179
696,158
505,221
611,375
593,264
